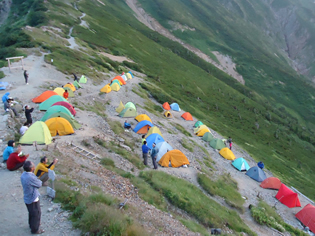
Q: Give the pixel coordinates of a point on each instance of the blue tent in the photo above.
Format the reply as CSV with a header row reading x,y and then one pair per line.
x,y
240,164
162,148
141,124
154,138
131,74
256,173
175,107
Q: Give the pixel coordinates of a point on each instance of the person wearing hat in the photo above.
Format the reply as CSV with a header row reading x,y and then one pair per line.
x,y
153,155
28,114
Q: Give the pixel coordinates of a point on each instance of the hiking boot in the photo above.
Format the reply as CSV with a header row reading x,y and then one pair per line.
x,y
40,231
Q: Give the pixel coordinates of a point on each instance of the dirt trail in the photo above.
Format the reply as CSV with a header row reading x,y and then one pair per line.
x,y
226,63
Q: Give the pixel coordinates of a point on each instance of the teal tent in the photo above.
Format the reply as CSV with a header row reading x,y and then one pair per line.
x,y
44,106
116,81
55,109
217,144
241,164
198,123
66,116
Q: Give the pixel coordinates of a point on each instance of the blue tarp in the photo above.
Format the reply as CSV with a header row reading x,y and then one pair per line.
x,y
141,124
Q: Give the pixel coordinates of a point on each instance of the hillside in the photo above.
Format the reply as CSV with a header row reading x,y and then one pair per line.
x,y
270,115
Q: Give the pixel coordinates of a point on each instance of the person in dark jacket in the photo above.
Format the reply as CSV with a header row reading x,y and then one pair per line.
x,y
75,77
145,151
154,155
8,106
28,114
26,76
31,184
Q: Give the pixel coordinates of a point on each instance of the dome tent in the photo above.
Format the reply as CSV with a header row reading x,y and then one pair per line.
x,y
287,197
66,105
142,117
106,89
50,101
55,109
168,114
128,75
271,183
207,137
59,91
175,107
196,130
201,132
197,124
143,127
307,216
73,122
154,138
83,80
38,132
175,157
227,154
256,173
44,96
128,112
71,86
187,116
60,126
115,87
162,148
71,94
154,130
217,143
120,107
166,106
241,164
77,85
130,104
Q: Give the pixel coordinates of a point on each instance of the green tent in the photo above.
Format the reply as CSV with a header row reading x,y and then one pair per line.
x,y
50,101
128,112
66,116
38,132
55,109
207,137
217,144
130,104
83,80
76,84
71,94
198,123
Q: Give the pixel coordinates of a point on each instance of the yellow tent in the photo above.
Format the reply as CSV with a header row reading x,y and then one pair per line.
x,y
115,87
59,125
176,157
59,91
71,86
128,76
167,114
227,154
196,130
143,117
202,132
154,130
106,89
120,107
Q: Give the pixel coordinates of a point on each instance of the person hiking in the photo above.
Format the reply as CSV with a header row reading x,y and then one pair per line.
x,y
145,151
26,76
229,141
153,155
66,94
16,159
143,139
8,150
28,114
31,184
75,77
41,170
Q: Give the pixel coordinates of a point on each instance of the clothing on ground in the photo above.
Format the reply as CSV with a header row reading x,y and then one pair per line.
x,y
42,168
28,115
23,129
15,160
30,184
7,152
145,148
34,215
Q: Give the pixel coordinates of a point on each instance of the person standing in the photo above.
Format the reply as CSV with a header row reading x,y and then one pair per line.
x,y
41,170
28,114
230,142
66,94
8,150
143,139
26,76
75,77
145,151
31,184
153,155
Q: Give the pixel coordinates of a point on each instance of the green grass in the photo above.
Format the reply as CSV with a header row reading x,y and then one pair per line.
x,y
97,107
194,226
264,214
189,198
116,127
225,187
2,75
96,214
107,162
187,144
133,158
182,129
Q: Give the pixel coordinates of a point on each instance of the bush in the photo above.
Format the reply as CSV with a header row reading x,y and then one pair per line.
x,y
36,18
107,162
2,75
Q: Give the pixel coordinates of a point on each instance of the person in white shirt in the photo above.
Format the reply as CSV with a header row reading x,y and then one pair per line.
x,y
24,128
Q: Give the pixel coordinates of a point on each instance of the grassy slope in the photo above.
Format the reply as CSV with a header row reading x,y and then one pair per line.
x,y
180,78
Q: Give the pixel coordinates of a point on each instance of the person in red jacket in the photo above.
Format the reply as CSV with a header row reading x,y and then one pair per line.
x,y
16,159
66,94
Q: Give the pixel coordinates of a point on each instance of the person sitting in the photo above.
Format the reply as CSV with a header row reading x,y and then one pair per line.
x,y
127,125
8,106
41,170
8,150
16,159
24,128
66,94
28,114
5,97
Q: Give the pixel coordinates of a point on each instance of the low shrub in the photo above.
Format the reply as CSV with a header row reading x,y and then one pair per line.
x,y
107,162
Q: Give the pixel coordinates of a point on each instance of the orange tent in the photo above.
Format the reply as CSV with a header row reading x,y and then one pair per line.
x,y
44,96
271,182
307,216
176,157
287,197
187,116
120,79
166,106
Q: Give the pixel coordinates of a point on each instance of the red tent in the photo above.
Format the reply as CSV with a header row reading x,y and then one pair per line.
x,y
166,106
271,182
287,197
307,216
66,105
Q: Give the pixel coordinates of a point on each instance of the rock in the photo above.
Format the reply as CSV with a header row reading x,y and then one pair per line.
x,y
50,209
